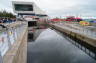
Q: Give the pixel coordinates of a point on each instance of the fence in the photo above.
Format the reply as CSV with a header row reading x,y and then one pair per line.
x,y
9,35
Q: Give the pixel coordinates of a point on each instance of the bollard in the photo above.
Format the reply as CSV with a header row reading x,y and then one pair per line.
x,y
17,32
14,34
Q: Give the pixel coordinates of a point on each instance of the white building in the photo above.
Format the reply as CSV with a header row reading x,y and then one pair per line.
x,y
28,9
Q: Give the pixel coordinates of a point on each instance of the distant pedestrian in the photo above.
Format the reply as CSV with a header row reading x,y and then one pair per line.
x,y
5,20
9,20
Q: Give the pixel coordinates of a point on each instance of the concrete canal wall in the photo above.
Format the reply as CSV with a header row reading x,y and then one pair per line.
x,y
86,42
13,49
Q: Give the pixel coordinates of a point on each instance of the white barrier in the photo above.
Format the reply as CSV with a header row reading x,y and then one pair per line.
x,y
3,43
9,37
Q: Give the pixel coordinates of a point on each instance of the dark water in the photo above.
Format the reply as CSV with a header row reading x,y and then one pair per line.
x,y
50,47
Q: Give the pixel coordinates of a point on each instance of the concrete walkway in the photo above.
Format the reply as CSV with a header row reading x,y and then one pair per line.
x,y
50,47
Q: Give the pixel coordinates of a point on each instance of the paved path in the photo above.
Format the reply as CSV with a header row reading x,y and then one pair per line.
x,y
78,29
50,47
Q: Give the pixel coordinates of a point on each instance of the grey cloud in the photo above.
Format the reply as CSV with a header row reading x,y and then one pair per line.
x,y
82,8
63,7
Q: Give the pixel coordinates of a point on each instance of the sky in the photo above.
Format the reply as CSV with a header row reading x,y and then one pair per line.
x,y
5,5
59,8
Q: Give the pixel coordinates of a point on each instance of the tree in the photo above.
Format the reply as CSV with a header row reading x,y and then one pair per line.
x,y
6,14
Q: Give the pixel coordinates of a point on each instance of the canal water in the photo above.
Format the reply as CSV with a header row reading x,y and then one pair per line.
x,y
50,47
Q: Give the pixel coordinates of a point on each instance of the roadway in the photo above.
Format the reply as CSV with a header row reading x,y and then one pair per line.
x,y
51,47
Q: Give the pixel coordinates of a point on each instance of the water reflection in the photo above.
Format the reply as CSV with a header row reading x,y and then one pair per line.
x,y
50,47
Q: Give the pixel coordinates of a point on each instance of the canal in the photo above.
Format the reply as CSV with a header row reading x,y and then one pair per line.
x,y
51,47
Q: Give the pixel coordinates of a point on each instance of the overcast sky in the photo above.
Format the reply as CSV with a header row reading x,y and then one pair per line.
x,y
60,7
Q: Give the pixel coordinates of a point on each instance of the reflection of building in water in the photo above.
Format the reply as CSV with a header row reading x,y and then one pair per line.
x,y
28,9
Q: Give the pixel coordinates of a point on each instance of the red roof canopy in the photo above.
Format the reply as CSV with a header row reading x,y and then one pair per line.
x,y
56,19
